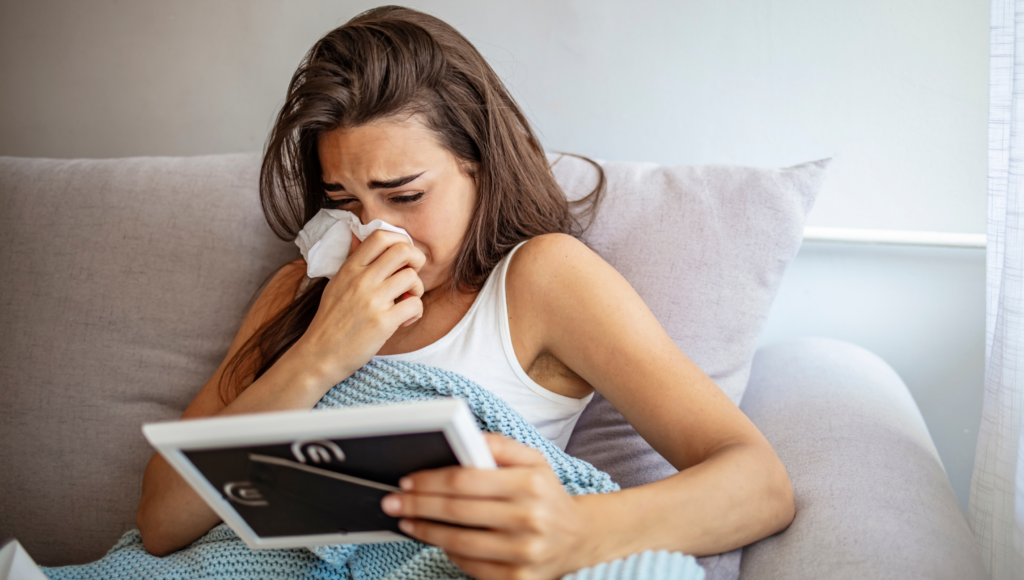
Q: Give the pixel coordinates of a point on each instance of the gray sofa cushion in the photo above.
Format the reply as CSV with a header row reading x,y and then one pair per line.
x,y
122,284
872,498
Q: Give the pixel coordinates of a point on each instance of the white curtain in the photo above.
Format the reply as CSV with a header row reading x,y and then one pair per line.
x,y
996,511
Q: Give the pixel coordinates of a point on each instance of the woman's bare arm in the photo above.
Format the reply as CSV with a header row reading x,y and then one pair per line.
x,y
731,490
171,515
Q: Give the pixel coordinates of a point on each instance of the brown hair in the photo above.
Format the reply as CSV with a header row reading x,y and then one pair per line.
x,y
387,62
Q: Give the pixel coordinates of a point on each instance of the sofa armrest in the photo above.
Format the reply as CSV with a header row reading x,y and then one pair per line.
x,y
872,497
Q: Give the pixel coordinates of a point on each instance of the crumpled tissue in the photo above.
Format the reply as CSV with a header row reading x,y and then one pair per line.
x,y
325,240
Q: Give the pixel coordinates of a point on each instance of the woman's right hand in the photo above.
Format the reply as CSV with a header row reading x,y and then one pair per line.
x,y
358,312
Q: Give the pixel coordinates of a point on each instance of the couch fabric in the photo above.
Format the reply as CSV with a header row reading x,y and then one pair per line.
x,y
706,248
123,282
872,498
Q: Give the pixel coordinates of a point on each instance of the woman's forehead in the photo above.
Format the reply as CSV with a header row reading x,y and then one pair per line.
x,y
379,151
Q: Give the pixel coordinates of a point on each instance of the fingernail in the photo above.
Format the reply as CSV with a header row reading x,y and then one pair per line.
x,y
391,504
405,483
405,525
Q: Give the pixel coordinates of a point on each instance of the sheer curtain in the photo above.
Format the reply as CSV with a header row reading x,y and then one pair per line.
x,y
996,510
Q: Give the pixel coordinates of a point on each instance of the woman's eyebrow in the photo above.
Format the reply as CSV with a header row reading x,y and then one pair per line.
x,y
393,183
390,184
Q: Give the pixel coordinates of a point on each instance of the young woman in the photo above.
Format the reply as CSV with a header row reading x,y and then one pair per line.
x,y
395,116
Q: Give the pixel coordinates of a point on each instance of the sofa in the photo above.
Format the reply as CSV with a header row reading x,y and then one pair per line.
x,y
123,282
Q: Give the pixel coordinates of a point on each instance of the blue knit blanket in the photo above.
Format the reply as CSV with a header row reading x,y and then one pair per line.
x,y
221,554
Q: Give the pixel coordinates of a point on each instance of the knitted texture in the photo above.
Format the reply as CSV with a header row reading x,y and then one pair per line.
x,y
221,554
647,564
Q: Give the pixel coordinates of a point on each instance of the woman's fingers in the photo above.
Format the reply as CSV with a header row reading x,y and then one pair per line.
x,y
392,263
407,311
516,521
477,513
405,280
404,289
476,544
373,246
480,483
488,483
509,452
400,255
385,252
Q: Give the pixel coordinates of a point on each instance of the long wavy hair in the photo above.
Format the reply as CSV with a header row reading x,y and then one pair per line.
x,y
384,63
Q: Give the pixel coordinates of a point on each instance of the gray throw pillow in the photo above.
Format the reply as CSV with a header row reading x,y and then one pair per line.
x,y
705,247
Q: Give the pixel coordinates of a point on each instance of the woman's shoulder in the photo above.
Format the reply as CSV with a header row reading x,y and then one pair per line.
x,y
549,271
549,259
557,273
548,247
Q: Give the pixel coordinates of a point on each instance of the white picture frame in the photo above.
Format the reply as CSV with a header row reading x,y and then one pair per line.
x,y
449,415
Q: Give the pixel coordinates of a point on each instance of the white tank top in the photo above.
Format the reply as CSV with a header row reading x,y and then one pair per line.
x,y
480,349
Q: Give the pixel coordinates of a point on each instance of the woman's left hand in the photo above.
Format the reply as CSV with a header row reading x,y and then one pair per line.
x,y
518,521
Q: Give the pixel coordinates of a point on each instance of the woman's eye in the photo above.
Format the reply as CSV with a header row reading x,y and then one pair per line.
x,y
407,198
335,203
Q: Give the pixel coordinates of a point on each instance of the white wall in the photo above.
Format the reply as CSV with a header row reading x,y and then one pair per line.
x,y
896,90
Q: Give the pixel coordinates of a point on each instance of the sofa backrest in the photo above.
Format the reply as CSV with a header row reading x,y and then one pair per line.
x,y
122,285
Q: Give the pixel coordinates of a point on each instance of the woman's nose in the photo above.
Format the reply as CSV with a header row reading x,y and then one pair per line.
x,y
370,212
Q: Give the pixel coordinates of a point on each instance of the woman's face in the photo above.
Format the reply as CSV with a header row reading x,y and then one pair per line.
x,y
396,171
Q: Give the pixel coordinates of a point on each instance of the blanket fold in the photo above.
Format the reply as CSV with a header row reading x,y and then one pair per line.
x,y
221,554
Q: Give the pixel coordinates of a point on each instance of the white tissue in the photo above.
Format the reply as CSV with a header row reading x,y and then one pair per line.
x,y
325,240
